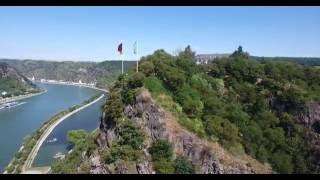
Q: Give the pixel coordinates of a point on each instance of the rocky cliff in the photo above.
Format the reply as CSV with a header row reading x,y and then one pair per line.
x,y
309,116
210,157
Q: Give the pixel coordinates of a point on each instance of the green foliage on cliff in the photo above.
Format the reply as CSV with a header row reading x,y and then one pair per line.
x,y
162,157
183,166
244,104
82,142
161,149
247,106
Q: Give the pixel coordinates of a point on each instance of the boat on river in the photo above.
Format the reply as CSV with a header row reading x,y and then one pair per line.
x,y
52,140
11,104
59,155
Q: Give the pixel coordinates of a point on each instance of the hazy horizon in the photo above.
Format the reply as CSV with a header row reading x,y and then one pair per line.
x,y
98,61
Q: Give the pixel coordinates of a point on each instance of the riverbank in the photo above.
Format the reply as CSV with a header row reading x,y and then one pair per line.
x,y
72,84
17,98
23,159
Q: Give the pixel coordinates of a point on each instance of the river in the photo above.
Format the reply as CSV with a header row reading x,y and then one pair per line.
x,y
18,122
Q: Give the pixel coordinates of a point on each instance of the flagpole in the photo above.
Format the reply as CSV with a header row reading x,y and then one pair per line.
x,y
137,62
122,58
136,55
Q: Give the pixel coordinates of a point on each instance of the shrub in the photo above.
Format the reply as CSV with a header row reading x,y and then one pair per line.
x,y
131,135
128,96
147,68
183,166
77,137
282,162
190,101
136,80
10,169
123,152
154,85
161,149
163,166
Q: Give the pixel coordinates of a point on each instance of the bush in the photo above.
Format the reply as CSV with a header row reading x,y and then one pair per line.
x,y
128,96
223,129
262,154
161,149
154,85
131,135
124,152
10,169
282,162
114,107
77,137
183,166
147,68
163,166
190,101
136,80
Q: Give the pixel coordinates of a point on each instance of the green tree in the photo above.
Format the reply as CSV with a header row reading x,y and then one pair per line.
x,y
77,136
147,68
240,53
282,162
136,80
114,107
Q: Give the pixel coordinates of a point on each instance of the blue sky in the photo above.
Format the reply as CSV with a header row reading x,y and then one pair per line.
x,y
93,33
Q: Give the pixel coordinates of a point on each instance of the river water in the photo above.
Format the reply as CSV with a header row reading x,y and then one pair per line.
x,y
18,122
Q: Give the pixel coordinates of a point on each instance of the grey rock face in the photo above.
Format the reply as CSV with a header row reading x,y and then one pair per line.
x,y
144,167
184,142
158,124
310,116
121,168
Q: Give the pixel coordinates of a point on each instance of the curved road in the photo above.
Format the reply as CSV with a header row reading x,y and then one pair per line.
x,y
27,167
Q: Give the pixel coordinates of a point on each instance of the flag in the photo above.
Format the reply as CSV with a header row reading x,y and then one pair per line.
x,y
120,48
135,47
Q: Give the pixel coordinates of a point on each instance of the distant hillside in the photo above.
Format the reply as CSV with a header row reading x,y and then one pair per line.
x,y
12,82
103,73
307,61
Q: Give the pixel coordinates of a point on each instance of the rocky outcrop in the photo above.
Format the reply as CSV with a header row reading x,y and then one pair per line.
x,y
144,167
309,116
208,157
159,124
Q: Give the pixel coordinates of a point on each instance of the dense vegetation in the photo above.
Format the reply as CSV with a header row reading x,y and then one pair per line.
x,y
162,157
103,73
246,105
81,141
307,61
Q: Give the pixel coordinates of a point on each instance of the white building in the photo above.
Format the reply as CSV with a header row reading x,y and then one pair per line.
x,y
205,58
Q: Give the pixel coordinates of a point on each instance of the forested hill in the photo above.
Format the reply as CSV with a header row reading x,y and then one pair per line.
x,y
13,83
266,110
307,61
103,72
